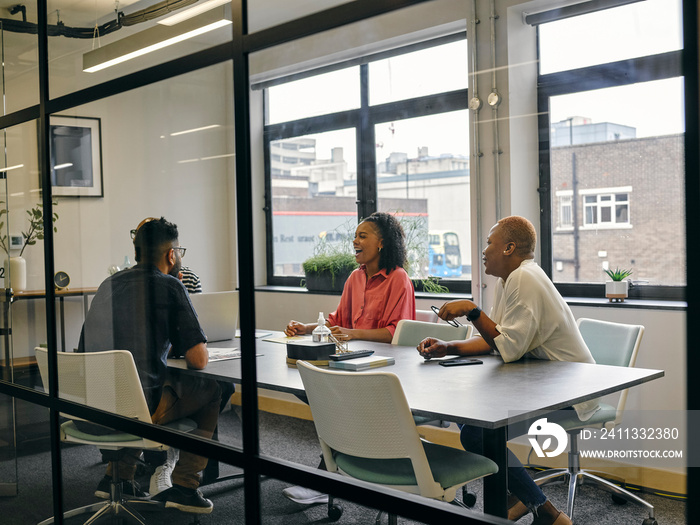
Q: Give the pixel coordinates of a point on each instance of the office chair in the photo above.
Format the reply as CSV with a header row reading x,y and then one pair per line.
x,y
613,344
366,431
106,381
426,315
410,333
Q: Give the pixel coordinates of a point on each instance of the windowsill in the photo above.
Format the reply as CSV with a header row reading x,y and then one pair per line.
x,y
300,289
651,304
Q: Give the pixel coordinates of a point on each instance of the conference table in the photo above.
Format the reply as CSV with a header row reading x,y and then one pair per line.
x,y
492,395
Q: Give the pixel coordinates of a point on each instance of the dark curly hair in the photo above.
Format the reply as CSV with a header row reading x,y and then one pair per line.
x,y
391,232
153,238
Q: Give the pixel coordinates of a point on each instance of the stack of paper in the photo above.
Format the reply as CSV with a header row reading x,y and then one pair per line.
x,y
362,363
219,354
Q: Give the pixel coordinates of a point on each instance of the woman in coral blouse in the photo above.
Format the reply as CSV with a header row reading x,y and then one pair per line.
x,y
379,293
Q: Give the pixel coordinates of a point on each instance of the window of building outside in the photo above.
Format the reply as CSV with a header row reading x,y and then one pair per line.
x,y
414,147
616,173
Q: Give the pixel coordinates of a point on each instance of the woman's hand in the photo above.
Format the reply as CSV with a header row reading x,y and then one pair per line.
x,y
295,328
342,334
431,347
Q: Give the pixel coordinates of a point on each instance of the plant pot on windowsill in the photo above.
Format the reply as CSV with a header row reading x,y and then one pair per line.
x,y
616,290
328,273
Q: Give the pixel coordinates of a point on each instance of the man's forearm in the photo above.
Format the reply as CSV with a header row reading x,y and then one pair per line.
x,y
487,329
471,346
197,357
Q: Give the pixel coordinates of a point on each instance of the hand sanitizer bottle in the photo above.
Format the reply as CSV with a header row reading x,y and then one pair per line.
x,y
321,332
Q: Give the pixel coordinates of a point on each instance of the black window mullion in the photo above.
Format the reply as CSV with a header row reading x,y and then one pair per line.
x,y
420,106
545,187
621,73
366,155
307,126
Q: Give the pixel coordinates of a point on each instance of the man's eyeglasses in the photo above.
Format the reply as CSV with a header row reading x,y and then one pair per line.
x,y
453,322
133,234
181,249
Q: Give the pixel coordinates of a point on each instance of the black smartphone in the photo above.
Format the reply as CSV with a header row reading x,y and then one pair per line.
x,y
461,362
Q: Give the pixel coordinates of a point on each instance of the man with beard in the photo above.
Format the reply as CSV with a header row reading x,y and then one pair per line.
x,y
147,311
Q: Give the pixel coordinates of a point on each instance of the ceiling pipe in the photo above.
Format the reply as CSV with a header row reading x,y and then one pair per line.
x,y
494,100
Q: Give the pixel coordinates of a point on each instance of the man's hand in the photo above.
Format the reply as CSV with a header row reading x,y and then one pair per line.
x,y
431,347
454,309
295,328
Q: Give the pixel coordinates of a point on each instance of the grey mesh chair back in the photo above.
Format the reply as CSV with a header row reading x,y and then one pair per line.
x,y
612,344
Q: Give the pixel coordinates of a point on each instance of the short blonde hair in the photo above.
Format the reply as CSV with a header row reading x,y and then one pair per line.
x,y
520,231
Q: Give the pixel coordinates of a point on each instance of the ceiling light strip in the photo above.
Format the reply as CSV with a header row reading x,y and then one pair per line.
x,y
186,14
156,46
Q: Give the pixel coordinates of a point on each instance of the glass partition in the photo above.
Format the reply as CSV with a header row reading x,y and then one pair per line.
x,y
19,48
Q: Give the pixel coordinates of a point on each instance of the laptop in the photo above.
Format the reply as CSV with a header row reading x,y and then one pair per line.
x,y
217,313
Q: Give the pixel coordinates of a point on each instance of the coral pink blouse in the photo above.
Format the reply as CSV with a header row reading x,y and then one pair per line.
x,y
380,302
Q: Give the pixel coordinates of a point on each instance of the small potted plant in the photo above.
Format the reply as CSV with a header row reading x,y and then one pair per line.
x,y
16,267
328,272
332,262
616,290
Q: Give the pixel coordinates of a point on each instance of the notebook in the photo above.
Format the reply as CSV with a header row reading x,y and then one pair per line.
x,y
362,363
217,313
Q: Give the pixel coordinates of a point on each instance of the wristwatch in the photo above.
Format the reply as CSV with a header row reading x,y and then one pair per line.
x,y
474,314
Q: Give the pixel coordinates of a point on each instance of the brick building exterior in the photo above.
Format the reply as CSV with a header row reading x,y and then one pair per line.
x,y
630,210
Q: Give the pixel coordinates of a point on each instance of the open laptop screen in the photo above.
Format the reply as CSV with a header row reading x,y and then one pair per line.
x,y
217,313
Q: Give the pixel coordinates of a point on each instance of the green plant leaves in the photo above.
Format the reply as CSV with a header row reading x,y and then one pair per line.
x,y
618,274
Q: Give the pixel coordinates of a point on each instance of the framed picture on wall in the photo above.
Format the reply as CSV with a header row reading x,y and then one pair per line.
x,y
75,145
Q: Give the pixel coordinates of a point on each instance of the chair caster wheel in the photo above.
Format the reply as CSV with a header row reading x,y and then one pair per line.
x,y
335,512
650,521
618,500
468,498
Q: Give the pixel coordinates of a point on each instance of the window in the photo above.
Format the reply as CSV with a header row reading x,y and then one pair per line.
x,y
601,147
405,151
566,218
606,210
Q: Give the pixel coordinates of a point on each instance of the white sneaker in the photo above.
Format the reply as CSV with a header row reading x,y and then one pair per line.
x,y
161,478
304,496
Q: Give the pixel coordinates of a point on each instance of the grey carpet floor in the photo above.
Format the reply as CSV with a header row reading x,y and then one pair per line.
x,y
281,437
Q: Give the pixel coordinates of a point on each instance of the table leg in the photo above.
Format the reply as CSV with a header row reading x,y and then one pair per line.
x,y
62,318
211,471
496,485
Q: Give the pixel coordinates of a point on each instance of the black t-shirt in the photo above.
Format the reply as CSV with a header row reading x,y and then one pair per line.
x,y
144,311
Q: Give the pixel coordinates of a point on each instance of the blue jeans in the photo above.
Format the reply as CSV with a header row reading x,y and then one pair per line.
x,y
519,481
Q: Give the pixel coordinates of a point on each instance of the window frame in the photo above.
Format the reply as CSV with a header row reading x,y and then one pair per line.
x,y
363,120
643,69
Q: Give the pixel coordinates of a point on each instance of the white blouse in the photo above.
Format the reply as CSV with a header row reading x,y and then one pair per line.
x,y
533,319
